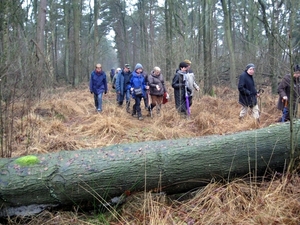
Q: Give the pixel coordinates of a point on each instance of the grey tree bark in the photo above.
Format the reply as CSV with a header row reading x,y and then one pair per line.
x,y
76,27
207,46
172,166
228,34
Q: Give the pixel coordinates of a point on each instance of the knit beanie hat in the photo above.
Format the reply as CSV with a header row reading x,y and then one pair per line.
x,y
250,65
138,66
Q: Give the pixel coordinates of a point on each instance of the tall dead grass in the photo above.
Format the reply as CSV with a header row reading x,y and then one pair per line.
x,y
67,120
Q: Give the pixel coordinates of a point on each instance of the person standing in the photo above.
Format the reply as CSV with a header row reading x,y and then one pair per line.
x,y
191,83
284,90
248,93
98,86
178,83
157,89
114,83
112,73
138,87
122,81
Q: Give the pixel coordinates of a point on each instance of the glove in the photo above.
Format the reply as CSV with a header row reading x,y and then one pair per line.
x,y
92,92
285,98
105,92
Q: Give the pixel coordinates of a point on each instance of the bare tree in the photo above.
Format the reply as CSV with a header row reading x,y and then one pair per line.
x,y
76,28
228,31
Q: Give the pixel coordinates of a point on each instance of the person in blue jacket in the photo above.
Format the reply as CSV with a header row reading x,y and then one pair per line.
x,y
138,87
122,81
98,86
248,93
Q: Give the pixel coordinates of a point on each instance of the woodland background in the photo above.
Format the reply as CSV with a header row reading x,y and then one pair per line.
x,y
51,43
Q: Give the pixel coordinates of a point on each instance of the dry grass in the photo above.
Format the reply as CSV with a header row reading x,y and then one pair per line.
x,y
66,120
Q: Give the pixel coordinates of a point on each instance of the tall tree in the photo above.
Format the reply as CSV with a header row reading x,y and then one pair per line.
x,y
67,14
271,30
207,46
226,6
76,28
40,39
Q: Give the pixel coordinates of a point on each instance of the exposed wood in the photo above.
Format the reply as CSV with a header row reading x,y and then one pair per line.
x,y
172,166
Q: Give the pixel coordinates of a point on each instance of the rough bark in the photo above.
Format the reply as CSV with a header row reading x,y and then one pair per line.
x,y
172,166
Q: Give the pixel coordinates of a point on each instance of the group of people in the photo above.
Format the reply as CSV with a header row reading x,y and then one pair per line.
x,y
248,94
152,89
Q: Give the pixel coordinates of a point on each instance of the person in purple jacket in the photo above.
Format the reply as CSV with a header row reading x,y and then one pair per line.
x,y
98,86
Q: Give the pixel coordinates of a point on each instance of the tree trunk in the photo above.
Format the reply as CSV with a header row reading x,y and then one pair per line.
x,y
207,47
172,166
76,24
228,34
67,10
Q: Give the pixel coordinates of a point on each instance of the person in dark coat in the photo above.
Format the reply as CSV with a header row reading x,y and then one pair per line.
x,y
98,86
112,73
122,81
284,90
248,93
178,83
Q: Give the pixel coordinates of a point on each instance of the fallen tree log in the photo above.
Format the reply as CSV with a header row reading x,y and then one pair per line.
x,y
171,166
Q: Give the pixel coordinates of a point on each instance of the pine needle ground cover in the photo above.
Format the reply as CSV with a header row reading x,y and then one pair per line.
x,y
68,121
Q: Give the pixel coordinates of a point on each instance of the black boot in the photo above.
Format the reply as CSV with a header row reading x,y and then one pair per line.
x,y
134,112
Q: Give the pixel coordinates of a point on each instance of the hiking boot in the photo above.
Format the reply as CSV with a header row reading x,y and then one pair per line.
x,y
134,115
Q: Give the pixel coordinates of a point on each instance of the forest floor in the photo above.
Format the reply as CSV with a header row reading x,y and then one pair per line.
x,y
66,120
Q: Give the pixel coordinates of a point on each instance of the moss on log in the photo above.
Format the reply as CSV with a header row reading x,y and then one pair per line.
x,y
172,166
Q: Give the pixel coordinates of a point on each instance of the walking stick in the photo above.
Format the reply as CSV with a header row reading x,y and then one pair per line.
x,y
187,102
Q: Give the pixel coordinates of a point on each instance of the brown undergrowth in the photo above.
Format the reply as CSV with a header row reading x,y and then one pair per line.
x,y
67,120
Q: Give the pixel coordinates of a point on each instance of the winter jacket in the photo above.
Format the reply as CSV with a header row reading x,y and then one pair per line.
x,y
190,77
137,81
284,89
154,80
98,82
247,90
122,81
178,83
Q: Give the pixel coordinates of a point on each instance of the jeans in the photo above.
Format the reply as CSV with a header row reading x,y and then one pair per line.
x,y
98,101
121,97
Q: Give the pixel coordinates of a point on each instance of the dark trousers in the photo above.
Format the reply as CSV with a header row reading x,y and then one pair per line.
x,y
137,106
